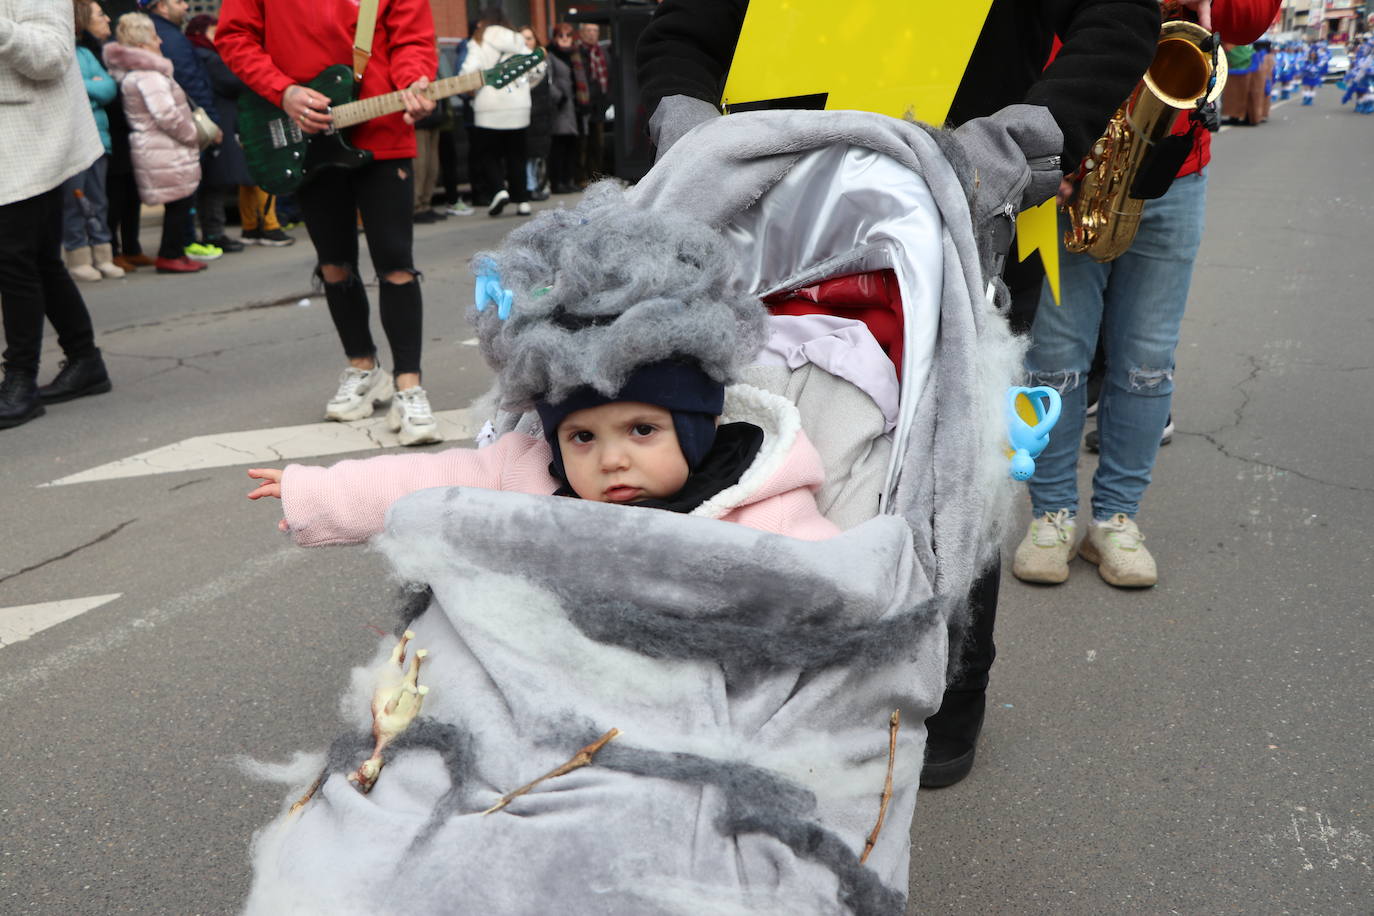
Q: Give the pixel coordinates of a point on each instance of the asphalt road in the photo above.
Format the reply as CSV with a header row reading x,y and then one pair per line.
x,y
1201,747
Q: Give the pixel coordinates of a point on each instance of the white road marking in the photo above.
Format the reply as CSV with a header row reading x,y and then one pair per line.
x,y
269,446
470,342
19,623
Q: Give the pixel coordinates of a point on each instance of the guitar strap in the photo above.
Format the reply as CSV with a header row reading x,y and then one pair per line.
x,y
362,39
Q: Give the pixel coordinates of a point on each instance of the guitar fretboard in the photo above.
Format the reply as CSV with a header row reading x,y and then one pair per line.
x,y
351,113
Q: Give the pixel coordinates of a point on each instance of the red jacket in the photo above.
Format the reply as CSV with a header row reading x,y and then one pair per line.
x,y
1239,22
272,44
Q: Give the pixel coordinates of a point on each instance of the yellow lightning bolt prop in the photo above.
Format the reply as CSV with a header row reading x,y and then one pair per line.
x,y
1037,229
902,58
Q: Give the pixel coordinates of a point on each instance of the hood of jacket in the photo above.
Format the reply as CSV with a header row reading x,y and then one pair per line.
x,y
786,461
122,59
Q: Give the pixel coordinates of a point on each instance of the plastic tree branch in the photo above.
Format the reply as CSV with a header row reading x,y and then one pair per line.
x,y
581,759
893,723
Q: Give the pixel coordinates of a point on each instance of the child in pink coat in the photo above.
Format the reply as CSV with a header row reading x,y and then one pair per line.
x,y
620,328
656,444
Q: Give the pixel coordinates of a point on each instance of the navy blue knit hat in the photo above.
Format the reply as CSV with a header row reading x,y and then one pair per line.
x,y
694,398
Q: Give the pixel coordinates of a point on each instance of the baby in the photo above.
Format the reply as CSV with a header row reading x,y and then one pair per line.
x,y
619,327
656,443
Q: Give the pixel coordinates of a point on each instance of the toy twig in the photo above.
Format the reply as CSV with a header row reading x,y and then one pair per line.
x,y
310,792
581,759
395,704
893,723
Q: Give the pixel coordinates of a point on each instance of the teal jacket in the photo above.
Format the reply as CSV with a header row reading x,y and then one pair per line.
x,y
101,89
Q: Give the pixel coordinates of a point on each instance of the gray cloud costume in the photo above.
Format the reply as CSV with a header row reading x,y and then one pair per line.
x,y
752,675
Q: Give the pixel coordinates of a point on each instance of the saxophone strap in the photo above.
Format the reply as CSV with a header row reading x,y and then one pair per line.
x,y
362,38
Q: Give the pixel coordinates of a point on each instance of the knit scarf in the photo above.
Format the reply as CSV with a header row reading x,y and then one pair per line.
x,y
588,64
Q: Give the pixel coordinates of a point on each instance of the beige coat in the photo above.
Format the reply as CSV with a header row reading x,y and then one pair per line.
x,y
47,131
162,134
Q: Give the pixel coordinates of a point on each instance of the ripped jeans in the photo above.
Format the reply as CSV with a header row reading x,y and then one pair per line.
x,y
1137,302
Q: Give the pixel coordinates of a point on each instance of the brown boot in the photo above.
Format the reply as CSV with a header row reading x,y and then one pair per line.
x,y
124,264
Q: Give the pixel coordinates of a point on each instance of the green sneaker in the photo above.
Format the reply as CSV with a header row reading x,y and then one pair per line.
x,y
203,252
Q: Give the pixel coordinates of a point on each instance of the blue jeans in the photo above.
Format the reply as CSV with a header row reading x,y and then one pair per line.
x,y
80,228
1137,303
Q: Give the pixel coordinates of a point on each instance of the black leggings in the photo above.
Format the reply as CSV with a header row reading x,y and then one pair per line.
x,y
501,154
383,192
34,282
122,191
176,228
563,161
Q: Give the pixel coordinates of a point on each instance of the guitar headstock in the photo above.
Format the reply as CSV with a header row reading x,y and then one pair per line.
x,y
513,68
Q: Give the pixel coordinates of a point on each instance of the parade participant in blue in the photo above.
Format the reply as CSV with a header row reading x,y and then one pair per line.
x,y
690,48
1137,300
1313,72
1359,82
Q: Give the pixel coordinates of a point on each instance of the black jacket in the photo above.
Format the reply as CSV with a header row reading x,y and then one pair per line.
x,y
687,47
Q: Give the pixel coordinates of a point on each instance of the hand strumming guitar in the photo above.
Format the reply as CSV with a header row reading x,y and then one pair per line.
x,y
307,108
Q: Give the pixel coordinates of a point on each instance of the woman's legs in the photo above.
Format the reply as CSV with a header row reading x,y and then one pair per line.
x,y
513,153
1141,322
175,217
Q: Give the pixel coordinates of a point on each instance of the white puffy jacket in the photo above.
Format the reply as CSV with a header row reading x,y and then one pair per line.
x,y
500,109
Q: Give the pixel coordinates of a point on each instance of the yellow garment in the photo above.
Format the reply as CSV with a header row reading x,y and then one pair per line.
x,y
254,202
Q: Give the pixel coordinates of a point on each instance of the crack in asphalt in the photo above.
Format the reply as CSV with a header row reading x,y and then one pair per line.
x,y
1256,367
288,299
188,483
62,556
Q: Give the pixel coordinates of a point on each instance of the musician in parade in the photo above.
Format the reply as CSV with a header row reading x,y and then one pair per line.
x,y
276,48
1137,301
684,57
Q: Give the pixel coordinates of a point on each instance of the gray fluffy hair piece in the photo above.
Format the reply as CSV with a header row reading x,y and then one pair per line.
x,y
603,288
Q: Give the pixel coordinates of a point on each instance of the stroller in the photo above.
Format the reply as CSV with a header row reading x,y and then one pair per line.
x,y
739,729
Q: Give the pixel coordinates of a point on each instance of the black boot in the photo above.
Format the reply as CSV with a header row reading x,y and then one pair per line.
x,y
951,738
76,379
18,399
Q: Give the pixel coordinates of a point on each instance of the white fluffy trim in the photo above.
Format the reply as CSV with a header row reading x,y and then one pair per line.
x,y
780,421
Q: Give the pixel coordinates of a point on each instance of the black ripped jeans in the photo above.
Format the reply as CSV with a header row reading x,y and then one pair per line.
x,y
382,192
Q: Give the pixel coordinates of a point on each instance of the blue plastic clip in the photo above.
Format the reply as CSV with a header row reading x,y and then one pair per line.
x,y
1029,440
489,290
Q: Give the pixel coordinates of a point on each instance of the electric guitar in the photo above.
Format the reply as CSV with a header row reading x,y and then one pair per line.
x,y
281,157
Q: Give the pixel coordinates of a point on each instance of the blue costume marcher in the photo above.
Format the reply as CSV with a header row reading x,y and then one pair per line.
x,y
1313,72
1360,80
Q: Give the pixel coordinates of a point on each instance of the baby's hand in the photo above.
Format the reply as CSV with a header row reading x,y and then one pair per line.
x,y
270,486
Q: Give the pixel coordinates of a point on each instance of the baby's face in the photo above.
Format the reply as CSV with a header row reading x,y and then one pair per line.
x,y
622,452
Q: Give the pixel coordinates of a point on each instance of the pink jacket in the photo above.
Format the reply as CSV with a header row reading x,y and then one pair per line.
x,y
347,503
162,135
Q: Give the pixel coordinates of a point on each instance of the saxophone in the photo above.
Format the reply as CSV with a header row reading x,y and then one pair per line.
x,y
1186,71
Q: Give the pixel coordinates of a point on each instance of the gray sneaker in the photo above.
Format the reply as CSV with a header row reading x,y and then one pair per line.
x,y
411,419
360,392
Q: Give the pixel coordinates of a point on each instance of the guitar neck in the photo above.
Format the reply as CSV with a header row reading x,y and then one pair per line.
x,y
351,113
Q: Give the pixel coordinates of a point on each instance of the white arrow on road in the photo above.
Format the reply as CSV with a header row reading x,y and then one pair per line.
x,y
268,446
19,623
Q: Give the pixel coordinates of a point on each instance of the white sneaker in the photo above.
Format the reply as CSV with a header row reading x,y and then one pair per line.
x,y
1044,553
360,392
1117,547
411,418
523,209
498,202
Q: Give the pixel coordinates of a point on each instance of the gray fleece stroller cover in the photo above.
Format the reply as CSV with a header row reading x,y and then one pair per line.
x,y
752,676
